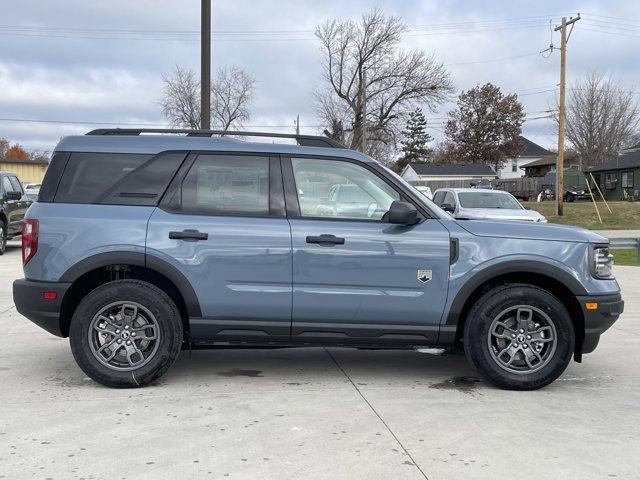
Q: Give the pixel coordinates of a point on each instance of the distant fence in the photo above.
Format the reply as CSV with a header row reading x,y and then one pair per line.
x,y
524,187
436,184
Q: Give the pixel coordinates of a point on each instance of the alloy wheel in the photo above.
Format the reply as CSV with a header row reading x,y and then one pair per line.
x,y
124,336
522,339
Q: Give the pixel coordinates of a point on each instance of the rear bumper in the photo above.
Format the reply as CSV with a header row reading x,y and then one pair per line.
x,y
28,297
597,321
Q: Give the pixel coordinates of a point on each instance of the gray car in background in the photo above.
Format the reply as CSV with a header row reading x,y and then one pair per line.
x,y
481,204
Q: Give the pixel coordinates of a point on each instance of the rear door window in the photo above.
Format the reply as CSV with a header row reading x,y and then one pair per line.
x,y
225,185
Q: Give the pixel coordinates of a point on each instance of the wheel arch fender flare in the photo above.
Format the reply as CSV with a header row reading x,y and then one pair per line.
x,y
508,267
139,259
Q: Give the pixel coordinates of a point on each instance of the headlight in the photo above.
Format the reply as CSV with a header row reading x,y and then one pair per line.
x,y
601,262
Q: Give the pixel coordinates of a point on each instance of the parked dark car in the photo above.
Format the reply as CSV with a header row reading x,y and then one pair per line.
x,y
13,206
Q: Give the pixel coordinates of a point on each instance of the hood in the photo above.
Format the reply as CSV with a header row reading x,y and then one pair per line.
x,y
499,214
530,231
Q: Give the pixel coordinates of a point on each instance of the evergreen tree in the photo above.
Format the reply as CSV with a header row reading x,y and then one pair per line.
x,y
415,142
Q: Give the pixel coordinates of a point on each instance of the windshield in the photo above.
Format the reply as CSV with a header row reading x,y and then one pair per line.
x,y
488,200
432,206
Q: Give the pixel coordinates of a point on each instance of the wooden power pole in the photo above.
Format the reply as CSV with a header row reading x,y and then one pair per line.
x,y
561,113
363,148
205,65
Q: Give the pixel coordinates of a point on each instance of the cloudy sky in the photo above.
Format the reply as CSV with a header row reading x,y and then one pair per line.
x,y
100,63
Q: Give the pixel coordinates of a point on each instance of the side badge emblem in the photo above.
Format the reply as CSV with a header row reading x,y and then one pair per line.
x,y
424,275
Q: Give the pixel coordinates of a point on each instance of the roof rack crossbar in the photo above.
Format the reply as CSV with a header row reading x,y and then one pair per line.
x,y
302,140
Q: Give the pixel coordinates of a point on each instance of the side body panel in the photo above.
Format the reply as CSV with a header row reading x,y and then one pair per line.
x,y
70,233
241,273
367,290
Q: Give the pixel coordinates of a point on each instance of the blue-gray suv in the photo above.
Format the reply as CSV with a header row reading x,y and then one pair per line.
x,y
146,242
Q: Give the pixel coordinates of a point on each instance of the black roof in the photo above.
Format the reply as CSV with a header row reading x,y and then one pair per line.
x,y
541,162
631,159
531,149
461,169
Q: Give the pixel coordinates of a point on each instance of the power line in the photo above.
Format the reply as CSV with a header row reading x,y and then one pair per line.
x,y
254,35
610,33
620,19
135,124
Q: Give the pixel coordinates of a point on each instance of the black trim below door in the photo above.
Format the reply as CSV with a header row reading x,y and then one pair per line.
x,y
207,330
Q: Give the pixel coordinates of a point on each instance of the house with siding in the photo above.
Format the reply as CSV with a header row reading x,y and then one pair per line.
x,y
27,170
619,178
531,152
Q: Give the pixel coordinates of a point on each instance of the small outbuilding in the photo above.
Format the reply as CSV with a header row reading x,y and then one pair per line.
x,y
619,178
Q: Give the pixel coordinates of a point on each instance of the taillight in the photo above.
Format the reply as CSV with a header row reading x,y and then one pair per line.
x,y
29,239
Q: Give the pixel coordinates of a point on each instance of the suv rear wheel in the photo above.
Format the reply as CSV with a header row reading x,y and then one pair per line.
x,y
126,333
519,337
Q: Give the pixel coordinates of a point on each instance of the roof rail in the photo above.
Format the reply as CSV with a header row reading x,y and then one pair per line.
x,y
303,140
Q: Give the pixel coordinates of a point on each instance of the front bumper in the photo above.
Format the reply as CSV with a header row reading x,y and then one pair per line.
x,y
29,299
598,320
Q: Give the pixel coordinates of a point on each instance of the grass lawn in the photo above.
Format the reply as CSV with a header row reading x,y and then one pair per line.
x,y
625,256
625,216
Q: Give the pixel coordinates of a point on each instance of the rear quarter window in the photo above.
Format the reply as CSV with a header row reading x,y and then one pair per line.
x,y
116,178
88,176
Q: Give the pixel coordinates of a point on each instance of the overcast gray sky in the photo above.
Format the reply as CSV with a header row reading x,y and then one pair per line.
x,y
81,61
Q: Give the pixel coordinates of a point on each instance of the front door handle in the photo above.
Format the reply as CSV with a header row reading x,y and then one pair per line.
x,y
188,235
325,239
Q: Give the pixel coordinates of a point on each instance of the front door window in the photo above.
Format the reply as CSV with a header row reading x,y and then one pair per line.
x,y
340,190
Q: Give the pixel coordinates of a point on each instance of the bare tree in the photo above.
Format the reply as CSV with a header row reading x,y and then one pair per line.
x,y
396,81
602,118
231,93
181,98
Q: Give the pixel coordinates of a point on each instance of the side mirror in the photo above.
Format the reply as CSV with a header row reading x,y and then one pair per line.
x,y
14,195
447,207
402,213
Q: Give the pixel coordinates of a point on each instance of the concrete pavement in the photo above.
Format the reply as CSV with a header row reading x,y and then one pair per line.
x,y
619,233
315,413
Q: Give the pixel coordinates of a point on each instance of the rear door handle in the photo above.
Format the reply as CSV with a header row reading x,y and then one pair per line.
x,y
325,239
188,235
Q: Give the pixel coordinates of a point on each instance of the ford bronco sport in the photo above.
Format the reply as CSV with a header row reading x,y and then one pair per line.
x,y
144,242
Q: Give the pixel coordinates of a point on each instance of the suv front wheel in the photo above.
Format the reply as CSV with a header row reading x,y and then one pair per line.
x,y
3,237
126,333
519,337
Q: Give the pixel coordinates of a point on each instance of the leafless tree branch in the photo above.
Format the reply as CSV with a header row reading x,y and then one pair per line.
x,y
601,119
231,93
396,81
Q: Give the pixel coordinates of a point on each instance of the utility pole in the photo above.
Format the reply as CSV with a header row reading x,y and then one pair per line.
x,y
205,65
297,122
364,111
561,113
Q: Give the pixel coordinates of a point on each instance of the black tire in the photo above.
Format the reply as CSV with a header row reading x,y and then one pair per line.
x,y
3,237
482,355
569,197
151,298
